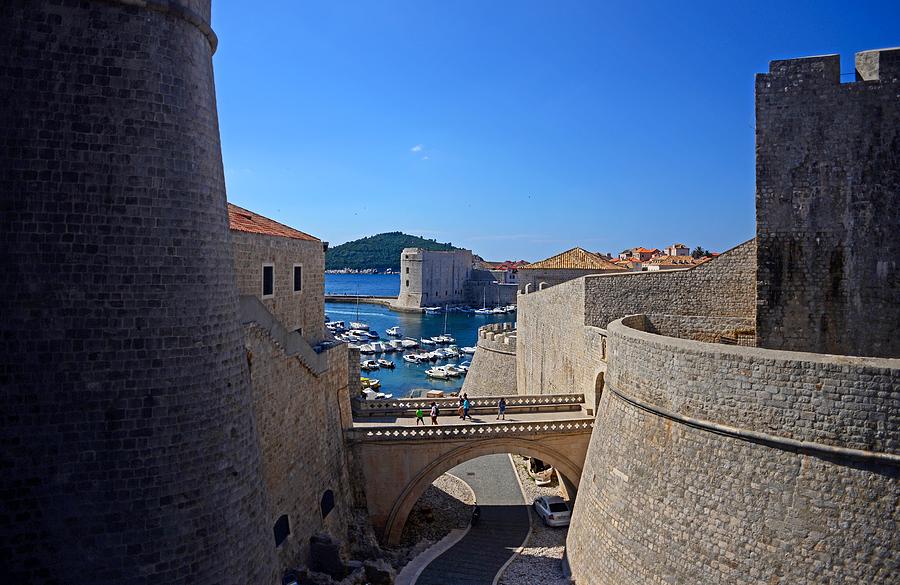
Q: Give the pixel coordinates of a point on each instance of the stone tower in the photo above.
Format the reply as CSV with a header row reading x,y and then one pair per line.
x,y
129,447
828,205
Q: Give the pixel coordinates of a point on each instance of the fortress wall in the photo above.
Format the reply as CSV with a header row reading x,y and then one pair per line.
x,y
551,277
493,370
295,310
432,278
478,292
300,417
556,353
723,287
665,498
130,449
828,205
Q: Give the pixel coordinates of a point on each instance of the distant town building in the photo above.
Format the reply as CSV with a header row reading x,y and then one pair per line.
x,y
677,250
565,266
667,262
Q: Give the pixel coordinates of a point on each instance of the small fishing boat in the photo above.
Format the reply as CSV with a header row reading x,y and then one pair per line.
x,y
432,310
368,365
394,331
462,368
386,364
455,370
452,352
411,358
359,325
397,344
438,373
369,382
426,341
371,334
366,348
409,343
468,350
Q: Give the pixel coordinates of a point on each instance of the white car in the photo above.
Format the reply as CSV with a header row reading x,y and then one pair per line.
x,y
553,510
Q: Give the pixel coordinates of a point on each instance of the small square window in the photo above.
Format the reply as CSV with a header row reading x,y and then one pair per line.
x,y
268,280
407,269
407,284
298,278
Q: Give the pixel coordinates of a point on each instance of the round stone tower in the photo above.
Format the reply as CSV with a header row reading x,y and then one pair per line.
x,y
129,447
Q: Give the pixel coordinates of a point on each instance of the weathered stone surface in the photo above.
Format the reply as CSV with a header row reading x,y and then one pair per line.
x,y
493,370
828,205
130,449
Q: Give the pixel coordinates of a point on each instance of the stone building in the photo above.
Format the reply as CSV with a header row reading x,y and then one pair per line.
x,y
433,278
563,267
299,383
730,444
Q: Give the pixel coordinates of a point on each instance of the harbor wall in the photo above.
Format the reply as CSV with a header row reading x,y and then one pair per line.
x,y
301,310
493,370
431,278
751,465
301,412
130,446
828,205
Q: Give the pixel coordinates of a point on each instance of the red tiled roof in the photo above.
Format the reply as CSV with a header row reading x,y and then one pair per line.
x,y
645,251
243,220
576,258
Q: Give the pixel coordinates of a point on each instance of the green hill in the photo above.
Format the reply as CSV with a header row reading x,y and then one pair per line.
x,y
380,252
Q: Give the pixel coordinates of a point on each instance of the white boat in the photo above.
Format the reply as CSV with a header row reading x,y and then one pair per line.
x,y
432,310
462,368
353,346
454,370
482,311
359,325
386,364
380,346
394,331
452,353
366,348
441,353
437,373
427,357
426,341
465,364
411,358
497,311
397,344
369,365
373,395
467,350
372,334
409,343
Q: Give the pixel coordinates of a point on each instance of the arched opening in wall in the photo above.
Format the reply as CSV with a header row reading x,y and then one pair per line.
x,y
492,473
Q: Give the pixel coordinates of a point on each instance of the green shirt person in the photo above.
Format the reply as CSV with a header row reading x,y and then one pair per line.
x,y
419,415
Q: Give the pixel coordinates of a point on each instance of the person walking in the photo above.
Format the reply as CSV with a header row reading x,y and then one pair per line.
x,y
419,416
459,411
466,406
434,413
501,409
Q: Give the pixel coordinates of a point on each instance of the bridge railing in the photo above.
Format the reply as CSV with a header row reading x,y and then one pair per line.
x,y
405,404
480,431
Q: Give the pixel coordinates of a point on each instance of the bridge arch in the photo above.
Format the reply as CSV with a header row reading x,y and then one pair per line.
x,y
415,487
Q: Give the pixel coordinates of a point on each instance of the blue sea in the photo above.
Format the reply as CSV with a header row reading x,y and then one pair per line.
x,y
404,377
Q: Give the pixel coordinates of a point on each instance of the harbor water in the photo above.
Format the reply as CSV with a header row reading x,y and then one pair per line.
x,y
406,377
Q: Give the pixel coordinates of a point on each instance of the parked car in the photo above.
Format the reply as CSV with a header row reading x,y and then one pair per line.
x,y
553,510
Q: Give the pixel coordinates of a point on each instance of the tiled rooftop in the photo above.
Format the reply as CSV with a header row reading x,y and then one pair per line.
x,y
243,220
574,259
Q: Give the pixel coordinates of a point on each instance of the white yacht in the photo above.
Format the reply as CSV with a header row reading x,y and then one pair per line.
x,y
394,331
409,343
366,348
467,350
426,341
368,365
411,358
438,373
359,325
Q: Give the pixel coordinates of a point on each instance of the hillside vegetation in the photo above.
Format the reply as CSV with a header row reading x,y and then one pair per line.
x,y
380,252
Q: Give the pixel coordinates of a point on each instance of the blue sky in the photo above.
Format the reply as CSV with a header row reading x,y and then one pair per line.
x,y
517,129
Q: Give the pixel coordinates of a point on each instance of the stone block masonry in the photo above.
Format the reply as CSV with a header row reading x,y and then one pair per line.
x,y
129,441
828,205
493,370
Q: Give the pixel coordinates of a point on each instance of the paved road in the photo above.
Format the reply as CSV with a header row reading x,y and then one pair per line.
x,y
481,553
449,417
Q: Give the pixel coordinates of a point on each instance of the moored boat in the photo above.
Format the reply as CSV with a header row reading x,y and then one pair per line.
x,y
386,364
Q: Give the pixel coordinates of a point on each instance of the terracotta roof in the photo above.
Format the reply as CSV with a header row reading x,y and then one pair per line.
x,y
577,259
645,251
681,260
243,220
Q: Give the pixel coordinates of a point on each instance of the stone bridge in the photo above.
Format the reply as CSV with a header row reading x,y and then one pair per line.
x,y
400,460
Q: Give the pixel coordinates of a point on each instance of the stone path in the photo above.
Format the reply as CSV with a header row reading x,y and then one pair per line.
x,y
477,558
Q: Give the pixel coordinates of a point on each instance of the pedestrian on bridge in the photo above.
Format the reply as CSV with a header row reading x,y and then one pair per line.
x,y
434,413
419,415
501,409
466,406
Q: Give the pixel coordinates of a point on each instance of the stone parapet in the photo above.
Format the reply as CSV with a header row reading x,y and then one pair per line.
x,y
499,337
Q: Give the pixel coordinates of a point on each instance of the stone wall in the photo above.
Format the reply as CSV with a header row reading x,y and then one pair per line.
x,y
828,205
130,452
304,309
535,278
300,416
724,287
485,292
493,370
430,278
714,464
560,330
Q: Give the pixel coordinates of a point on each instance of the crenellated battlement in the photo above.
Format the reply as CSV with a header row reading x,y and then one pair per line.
x,y
874,65
498,337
